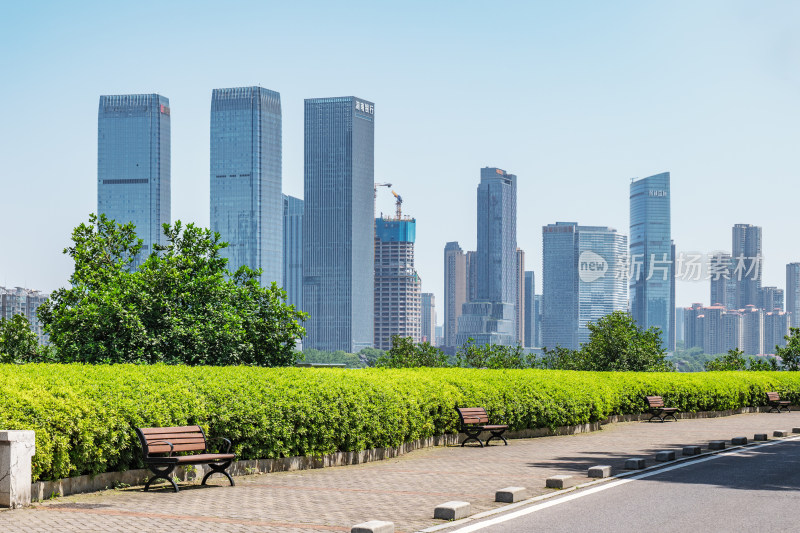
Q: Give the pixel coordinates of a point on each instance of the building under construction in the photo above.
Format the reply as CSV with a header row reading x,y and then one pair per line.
x,y
398,299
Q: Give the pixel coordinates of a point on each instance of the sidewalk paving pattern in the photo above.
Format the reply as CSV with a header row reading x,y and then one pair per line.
x,y
403,490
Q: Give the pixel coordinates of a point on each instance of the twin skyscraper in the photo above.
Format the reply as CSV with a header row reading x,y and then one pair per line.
x,y
246,204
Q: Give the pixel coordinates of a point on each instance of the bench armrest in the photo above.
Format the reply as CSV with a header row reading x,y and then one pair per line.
x,y
171,446
228,448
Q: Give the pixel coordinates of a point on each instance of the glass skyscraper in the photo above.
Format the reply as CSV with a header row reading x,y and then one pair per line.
x,y
491,318
584,280
246,201
133,164
293,250
793,293
338,225
651,257
747,264
530,309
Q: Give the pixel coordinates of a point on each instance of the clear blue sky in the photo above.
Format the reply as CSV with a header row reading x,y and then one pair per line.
x,y
575,98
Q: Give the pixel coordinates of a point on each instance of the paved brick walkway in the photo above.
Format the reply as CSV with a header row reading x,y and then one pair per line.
x,y
403,490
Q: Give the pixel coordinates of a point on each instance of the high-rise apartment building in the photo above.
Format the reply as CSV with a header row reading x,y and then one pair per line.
x,y
753,330
520,303
293,250
428,318
776,327
398,300
793,293
133,164
491,318
246,200
771,299
455,289
20,301
529,303
584,275
747,264
651,254
723,285
338,224
538,308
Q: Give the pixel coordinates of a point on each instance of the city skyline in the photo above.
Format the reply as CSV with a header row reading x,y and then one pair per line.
x,y
723,106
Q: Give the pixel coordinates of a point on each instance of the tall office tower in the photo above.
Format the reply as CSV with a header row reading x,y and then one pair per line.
x,y
293,250
776,327
713,333
338,224
529,302
538,307
472,276
753,330
455,289
20,301
428,332
747,264
723,285
651,254
693,326
793,293
520,303
133,164
490,319
771,299
246,200
584,280
398,300
680,329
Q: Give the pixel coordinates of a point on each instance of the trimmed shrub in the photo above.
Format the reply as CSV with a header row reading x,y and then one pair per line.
x,y
84,415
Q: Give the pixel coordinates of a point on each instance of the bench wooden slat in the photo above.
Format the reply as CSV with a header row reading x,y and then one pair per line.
x,y
174,429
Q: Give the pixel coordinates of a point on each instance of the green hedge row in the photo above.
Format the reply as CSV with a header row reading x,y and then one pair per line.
x,y
83,415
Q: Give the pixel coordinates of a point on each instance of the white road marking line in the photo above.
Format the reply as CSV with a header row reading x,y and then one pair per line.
x,y
581,494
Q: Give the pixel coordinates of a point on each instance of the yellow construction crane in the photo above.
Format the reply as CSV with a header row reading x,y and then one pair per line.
x,y
399,205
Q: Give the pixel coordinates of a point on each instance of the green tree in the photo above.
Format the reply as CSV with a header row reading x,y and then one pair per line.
x,y
491,356
404,353
616,343
790,354
18,344
733,360
181,305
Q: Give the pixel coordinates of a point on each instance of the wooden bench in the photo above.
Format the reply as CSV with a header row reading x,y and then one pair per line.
x,y
657,410
160,444
776,404
474,420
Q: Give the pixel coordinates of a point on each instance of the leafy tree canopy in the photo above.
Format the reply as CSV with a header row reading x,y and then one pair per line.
x,y
404,353
18,344
616,343
182,305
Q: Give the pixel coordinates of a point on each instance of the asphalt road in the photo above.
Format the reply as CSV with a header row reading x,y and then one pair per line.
x,y
754,489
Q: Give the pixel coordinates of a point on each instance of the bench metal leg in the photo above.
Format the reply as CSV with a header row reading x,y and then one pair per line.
x,y
472,434
671,415
497,435
219,469
162,473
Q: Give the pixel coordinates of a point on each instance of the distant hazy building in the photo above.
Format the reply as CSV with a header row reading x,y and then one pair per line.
x,y
714,331
398,299
747,264
793,293
293,250
455,289
652,283
692,328
529,303
585,279
723,285
776,327
338,223
771,299
25,302
491,317
429,318
680,335
520,303
753,330
133,164
246,202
